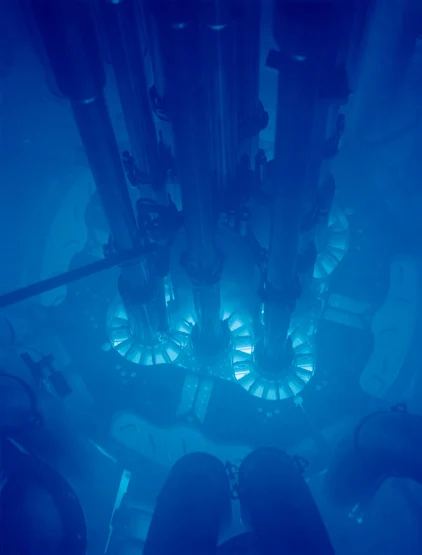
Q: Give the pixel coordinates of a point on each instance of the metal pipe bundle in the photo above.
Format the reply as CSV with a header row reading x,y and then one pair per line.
x,y
306,64
179,35
219,63
126,52
248,55
70,43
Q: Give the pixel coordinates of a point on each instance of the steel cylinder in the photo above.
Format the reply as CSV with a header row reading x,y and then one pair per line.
x,y
310,38
178,26
192,508
127,56
219,70
248,56
69,37
278,505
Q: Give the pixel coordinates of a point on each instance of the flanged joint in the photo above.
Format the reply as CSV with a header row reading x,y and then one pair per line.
x,y
279,382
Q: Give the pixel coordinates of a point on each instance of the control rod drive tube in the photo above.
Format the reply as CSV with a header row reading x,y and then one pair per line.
x,y
120,18
178,30
71,46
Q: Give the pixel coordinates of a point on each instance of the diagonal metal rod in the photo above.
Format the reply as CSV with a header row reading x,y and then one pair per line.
x,y
45,285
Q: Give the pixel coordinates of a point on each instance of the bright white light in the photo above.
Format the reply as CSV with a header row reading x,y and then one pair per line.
x,y
235,324
172,353
239,374
159,359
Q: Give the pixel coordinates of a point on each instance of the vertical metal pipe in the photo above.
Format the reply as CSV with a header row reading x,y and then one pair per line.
x,y
306,64
138,285
158,89
127,56
360,21
248,54
180,45
219,49
154,51
292,154
71,46
96,131
72,49
178,29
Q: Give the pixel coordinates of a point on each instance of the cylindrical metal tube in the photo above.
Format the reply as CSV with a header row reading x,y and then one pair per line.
x,y
127,57
39,287
154,49
76,64
192,508
307,64
100,145
70,42
277,504
73,55
179,34
180,45
292,155
136,284
248,55
219,49
291,187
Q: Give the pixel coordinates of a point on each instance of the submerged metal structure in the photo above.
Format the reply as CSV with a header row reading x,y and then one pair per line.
x,y
207,90
223,251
